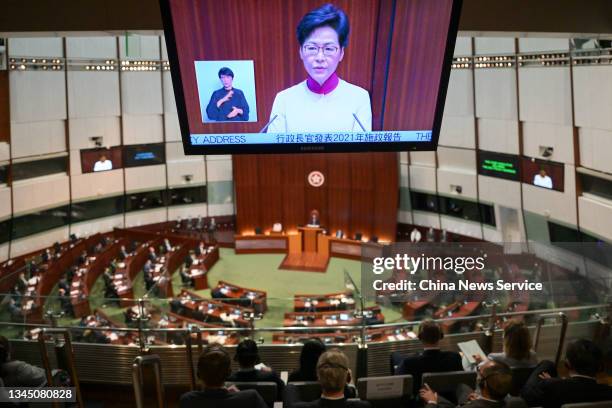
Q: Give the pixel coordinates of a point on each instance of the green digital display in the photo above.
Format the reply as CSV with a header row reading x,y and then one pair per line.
x,y
500,165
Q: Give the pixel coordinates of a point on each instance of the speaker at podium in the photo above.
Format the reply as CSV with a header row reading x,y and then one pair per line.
x,y
310,233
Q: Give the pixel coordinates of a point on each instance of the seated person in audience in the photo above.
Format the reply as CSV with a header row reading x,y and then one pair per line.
x,y
82,258
333,375
216,293
46,256
152,254
14,306
431,360
583,360
517,347
147,269
57,248
167,246
64,300
311,351
214,366
247,357
63,284
17,373
307,371
189,259
186,277
123,253
71,272
494,382
22,283
98,248
200,249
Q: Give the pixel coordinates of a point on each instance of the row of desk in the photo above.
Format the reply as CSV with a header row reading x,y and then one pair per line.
x,y
371,315
191,305
234,294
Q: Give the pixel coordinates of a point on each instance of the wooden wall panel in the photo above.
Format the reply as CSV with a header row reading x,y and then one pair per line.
x,y
245,169
316,197
386,196
270,178
339,192
362,194
415,69
359,195
294,209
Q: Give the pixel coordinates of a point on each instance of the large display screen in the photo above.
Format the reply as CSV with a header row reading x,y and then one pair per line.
x,y
144,155
543,173
309,76
102,159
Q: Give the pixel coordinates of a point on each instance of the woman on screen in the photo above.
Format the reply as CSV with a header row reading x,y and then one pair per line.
x,y
323,102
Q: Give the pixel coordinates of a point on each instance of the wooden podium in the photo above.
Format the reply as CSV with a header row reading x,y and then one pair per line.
x,y
309,238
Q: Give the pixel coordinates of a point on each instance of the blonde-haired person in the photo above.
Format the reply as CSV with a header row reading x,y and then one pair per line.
x,y
333,374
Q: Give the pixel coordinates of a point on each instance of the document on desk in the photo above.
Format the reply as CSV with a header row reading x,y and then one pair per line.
x,y
471,348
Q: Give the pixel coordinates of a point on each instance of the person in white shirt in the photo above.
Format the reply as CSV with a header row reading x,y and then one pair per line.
x,y
103,164
323,102
542,180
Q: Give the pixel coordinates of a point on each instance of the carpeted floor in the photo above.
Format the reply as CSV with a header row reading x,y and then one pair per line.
x,y
254,271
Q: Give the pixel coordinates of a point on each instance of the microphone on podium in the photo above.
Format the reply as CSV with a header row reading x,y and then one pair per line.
x,y
265,128
359,122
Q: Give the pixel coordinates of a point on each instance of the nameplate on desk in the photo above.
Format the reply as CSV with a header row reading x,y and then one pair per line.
x,y
261,244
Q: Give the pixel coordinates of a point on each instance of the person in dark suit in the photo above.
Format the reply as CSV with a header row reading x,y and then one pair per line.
x,y
583,360
494,381
214,366
227,103
247,357
333,374
123,253
147,269
17,373
82,260
431,360
152,254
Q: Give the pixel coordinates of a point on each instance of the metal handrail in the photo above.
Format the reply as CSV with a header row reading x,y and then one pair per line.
x,y
560,316
74,377
139,362
327,328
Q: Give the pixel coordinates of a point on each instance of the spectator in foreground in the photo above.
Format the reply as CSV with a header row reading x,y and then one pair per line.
x,y
494,382
583,360
214,366
311,351
333,375
251,370
431,360
517,350
15,373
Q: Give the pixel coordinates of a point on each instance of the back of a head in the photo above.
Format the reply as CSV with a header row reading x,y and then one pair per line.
x,y
430,332
214,365
517,340
5,350
247,354
584,357
332,371
498,379
311,351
